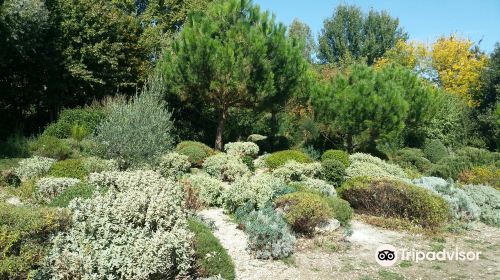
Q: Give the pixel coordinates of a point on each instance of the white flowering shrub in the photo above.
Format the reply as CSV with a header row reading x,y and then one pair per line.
x,y
122,180
173,165
320,185
225,167
50,187
95,164
256,190
488,200
294,171
33,167
260,162
462,206
240,149
210,189
137,233
370,166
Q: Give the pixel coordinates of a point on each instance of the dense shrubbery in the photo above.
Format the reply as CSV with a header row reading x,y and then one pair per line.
x,y
24,235
50,146
367,165
464,159
277,159
225,167
209,189
294,171
81,190
487,175
173,165
50,187
268,234
71,168
394,198
341,209
317,185
488,200
241,149
195,151
88,118
411,158
95,164
137,132
304,211
210,257
33,167
333,171
137,230
434,150
339,155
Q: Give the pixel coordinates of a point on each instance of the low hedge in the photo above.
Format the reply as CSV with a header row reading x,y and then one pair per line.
x,y
339,155
395,198
277,159
211,258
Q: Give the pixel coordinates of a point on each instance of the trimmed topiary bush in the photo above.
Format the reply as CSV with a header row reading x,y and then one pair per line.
x,y
51,147
173,165
339,155
25,234
333,171
88,118
366,165
278,159
304,211
196,152
70,168
225,167
268,234
210,257
36,166
341,209
395,198
488,200
434,150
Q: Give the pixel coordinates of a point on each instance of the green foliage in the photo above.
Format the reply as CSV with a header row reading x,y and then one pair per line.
x,y
333,171
196,152
48,188
411,158
341,209
137,132
84,121
248,161
304,211
209,189
173,165
50,146
434,150
210,257
394,198
339,155
9,178
479,156
351,35
14,146
485,175
302,34
70,168
66,196
278,159
488,199
450,167
24,237
268,234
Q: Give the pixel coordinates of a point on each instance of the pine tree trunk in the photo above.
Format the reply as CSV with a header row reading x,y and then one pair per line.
x,y
220,130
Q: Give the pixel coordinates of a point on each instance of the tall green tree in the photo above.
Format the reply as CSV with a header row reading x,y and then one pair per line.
x,y
351,35
302,33
234,56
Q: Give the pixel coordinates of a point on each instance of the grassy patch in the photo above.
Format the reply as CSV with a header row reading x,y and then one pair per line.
x,y
405,264
290,261
437,247
211,258
387,275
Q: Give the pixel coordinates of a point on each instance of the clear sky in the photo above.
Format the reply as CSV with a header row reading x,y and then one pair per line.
x,y
424,20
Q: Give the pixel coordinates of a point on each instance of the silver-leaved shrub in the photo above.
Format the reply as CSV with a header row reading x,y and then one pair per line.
x,y
173,165
488,199
225,167
320,185
33,167
209,189
293,171
366,165
95,164
123,180
240,149
50,187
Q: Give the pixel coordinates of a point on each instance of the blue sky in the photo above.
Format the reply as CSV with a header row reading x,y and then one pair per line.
x,y
424,20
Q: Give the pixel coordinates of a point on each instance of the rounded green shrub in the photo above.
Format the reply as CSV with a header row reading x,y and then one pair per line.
x,y
50,146
333,171
196,152
395,198
479,156
341,209
450,167
71,168
304,210
339,155
277,159
434,150
89,118
210,257
412,158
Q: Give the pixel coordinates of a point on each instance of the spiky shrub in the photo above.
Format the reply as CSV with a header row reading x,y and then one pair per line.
x,y
488,200
50,187
339,155
209,189
241,149
134,231
196,152
268,234
434,150
370,166
412,158
333,171
70,168
225,167
486,175
173,165
278,159
25,235
139,131
33,167
295,171
257,191
304,211
49,146
394,198
95,164
341,210
462,207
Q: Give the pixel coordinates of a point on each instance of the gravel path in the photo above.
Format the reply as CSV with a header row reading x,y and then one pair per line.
x,y
235,242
